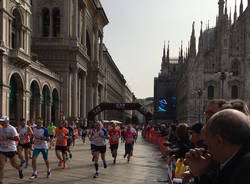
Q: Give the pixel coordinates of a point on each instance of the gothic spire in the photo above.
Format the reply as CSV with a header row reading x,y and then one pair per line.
x,y
181,48
235,12
226,9
221,8
241,7
201,38
168,53
193,42
230,16
164,52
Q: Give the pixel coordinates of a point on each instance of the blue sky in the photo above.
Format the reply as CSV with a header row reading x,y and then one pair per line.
x,y
137,29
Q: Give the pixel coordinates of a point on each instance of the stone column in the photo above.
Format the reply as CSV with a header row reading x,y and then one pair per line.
x,y
84,27
27,105
89,91
74,93
79,95
84,93
101,50
96,44
75,22
49,106
95,88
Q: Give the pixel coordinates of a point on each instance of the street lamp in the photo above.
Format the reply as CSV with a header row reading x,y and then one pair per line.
x,y
199,94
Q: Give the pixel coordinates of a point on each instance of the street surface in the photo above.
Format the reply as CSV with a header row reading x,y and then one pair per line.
x,y
145,167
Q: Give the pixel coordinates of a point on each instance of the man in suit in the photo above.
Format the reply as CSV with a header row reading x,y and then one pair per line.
x,y
227,135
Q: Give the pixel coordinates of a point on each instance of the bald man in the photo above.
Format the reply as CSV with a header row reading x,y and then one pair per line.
x,y
227,135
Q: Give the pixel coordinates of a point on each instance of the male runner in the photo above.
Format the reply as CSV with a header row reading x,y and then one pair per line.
x,y
41,137
25,132
69,138
114,135
61,144
98,140
8,136
51,129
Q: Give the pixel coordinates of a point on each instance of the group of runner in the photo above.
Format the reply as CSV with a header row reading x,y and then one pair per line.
x,y
98,136
32,136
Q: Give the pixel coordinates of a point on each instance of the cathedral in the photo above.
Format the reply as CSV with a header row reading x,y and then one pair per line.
x,y
218,68
54,63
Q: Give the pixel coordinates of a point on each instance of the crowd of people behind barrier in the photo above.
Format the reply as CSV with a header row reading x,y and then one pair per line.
x,y
214,152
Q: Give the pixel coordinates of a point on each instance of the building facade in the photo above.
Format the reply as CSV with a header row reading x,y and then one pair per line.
x,y
220,68
52,59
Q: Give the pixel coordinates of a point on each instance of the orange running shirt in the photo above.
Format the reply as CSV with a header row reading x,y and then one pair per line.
x,y
114,136
60,134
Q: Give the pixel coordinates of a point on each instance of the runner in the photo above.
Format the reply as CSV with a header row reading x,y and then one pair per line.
x,y
129,135
99,145
114,135
61,144
8,136
51,129
25,132
84,133
31,123
41,137
74,127
92,146
69,139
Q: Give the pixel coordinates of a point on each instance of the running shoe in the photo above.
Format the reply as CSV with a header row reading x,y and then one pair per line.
x,y
20,172
65,166
22,162
26,166
96,175
48,174
105,165
60,163
34,176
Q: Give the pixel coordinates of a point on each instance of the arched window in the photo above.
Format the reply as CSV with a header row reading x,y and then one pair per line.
x,y
235,92
45,22
16,30
56,22
210,92
235,68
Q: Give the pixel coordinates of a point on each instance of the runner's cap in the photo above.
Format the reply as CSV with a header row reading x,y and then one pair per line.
x,y
4,118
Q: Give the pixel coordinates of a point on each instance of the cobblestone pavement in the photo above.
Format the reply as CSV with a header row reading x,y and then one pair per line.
x,y
145,167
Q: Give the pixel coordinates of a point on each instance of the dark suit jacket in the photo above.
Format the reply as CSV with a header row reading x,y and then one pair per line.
x,y
237,170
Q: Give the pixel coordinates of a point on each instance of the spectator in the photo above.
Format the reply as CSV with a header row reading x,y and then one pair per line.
x,y
237,104
196,137
227,136
182,144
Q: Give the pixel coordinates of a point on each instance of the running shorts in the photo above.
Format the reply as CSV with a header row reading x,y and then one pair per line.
x,y
113,147
44,152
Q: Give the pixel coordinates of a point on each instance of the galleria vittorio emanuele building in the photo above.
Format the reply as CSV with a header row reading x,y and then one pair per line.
x,y
54,62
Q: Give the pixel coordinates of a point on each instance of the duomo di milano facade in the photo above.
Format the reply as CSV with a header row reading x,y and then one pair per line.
x,y
219,69
54,62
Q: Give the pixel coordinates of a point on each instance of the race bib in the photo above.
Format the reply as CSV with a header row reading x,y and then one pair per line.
x,y
4,145
59,138
38,142
115,138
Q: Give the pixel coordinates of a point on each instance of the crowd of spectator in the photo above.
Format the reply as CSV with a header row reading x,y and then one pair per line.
x,y
216,151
